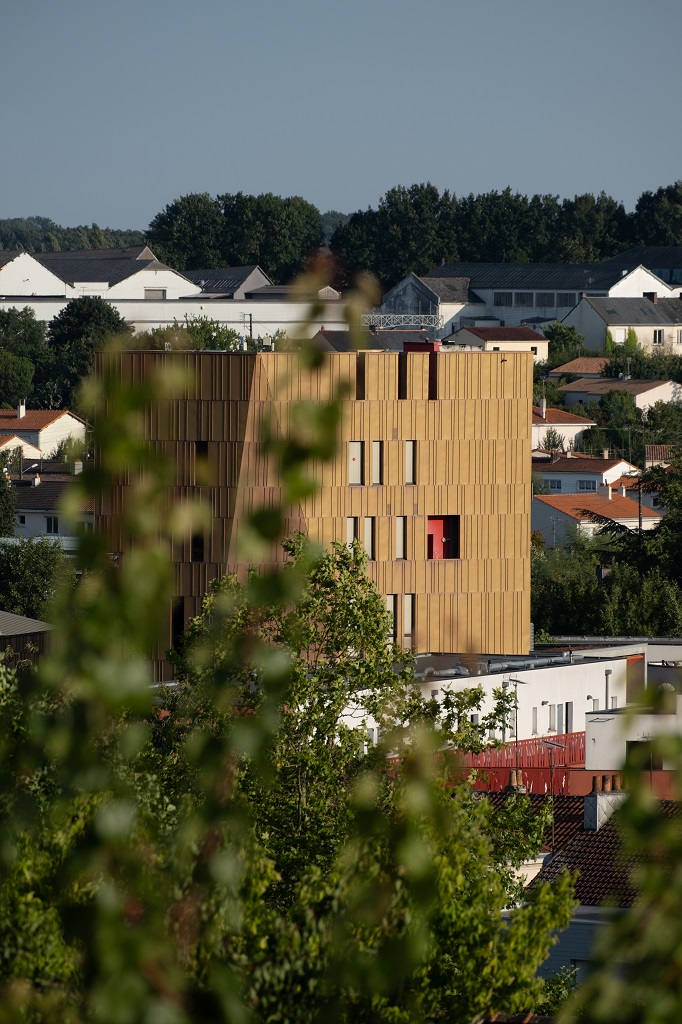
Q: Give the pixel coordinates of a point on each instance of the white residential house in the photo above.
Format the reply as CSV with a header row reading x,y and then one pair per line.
x,y
39,503
557,517
656,320
644,392
9,443
43,429
578,474
513,294
499,339
569,426
149,294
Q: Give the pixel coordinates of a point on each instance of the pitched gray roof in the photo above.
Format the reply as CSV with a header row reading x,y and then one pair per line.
x,y
637,312
93,267
663,260
7,255
222,279
385,341
564,276
15,625
602,385
450,289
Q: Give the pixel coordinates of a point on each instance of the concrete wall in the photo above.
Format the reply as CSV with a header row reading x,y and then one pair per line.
x,y
608,733
569,481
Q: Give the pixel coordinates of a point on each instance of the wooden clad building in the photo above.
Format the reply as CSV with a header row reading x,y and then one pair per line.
x,y
433,476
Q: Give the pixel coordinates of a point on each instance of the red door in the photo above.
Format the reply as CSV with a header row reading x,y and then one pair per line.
x,y
436,537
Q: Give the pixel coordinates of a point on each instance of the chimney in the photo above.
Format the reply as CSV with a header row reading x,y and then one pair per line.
x,y
605,798
36,480
605,453
21,409
652,296
605,491
556,454
543,408
622,490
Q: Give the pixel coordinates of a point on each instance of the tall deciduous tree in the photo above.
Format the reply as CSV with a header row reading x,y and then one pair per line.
x,y
187,233
74,334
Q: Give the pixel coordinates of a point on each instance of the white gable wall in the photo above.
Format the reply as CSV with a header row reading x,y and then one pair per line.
x,y
133,287
25,276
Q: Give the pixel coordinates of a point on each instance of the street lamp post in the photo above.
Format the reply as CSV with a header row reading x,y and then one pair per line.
x,y
551,744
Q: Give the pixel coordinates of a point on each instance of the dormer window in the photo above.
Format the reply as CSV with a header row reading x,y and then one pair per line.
x,y
155,294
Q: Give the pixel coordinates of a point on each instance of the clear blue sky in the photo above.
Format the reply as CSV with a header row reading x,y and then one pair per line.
x,y
113,109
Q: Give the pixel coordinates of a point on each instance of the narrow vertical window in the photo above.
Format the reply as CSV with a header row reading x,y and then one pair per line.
x,y
351,529
559,718
355,462
368,536
614,702
410,462
552,718
402,375
391,608
360,377
401,537
377,462
177,621
408,620
534,727
569,716
197,547
433,375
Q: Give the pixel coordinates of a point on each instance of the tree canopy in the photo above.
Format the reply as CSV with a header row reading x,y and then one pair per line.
x,y
200,231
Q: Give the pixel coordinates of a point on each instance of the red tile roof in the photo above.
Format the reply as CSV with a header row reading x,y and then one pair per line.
x,y
584,364
505,333
34,419
553,416
603,869
664,452
579,506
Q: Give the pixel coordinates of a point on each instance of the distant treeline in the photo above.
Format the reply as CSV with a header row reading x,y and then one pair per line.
x,y
40,234
412,229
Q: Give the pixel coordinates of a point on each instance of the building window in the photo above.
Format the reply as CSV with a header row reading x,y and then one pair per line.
x,y
155,294
401,537
360,377
356,474
391,608
566,300
554,485
587,485
552,718
442,537
534,726
474,719
503,299
368,536
496,348
569,716
560,718
351,529
377,462
201,449
679,337
52,525
197,547
524,299
543,299
408,620
177,621
534,349
659,336
410,462
402,375
433,376
21,520
614,703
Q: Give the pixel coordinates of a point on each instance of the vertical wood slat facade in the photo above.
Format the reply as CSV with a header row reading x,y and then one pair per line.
x,y
471,457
